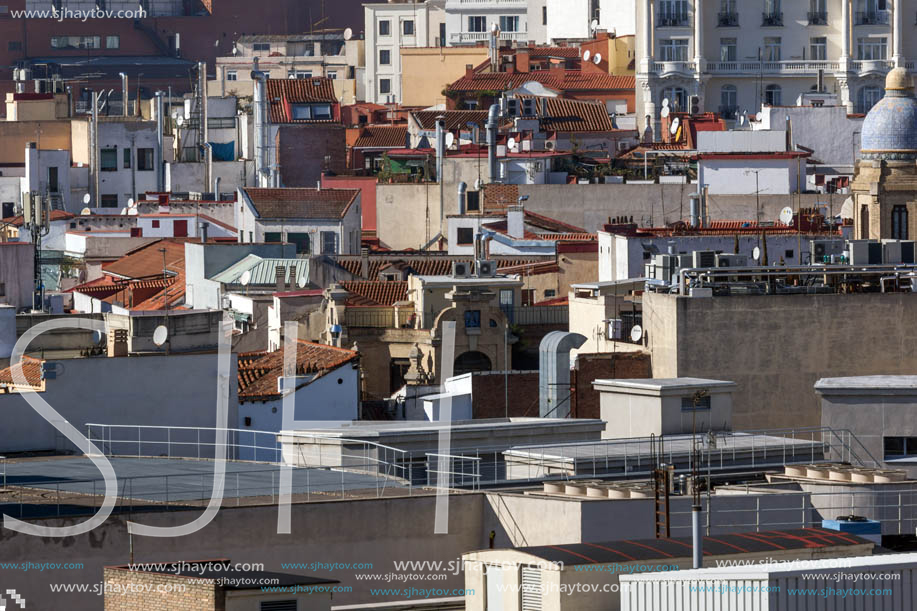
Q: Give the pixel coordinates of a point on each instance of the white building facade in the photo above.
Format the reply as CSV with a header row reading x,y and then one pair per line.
x,y
389,27
736,56
469,22
572,19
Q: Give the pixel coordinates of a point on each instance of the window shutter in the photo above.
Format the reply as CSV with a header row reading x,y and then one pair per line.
x,y
531,589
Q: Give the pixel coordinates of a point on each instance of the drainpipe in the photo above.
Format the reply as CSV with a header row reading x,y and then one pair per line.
x,y
260,148
440,152
216,184
208,164
94,148
160,140
125,99
696,538
492,118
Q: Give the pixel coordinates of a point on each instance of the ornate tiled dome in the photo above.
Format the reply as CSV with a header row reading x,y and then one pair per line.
x,y
890,128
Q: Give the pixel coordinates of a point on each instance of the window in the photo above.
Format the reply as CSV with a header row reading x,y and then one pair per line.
x,y
385,57
548,294
899,223
273,236
407,27
299,74
332,75
145,159
772,14
473,201
729,103
477,23
109,201
872,12
329,243
302,241
385,85
818,48
677,96
108,160
673,13
772,49
232,75
14,45
899,447
818,14
472,319
867,98
261,46
728,16
112,42
127,159
506,297
465,236
773,95
728,49
155,224
544,15
385,28
674,49
53,185
2,289
311,112
869,48
76,42
509,23
688,405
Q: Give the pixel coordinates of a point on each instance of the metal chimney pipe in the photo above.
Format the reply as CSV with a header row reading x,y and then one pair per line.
x,y
694,201
260,127
160,140
125,96
204,226
94,148
216,184
492,124
462,197
697,539
208,164
440,153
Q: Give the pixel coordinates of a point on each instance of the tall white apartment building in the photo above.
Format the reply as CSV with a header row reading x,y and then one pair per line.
x,y
389,27
738,54
572,19
468,22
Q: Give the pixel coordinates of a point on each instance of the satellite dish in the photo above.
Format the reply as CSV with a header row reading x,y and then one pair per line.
x,y
494,28
665,102
348,34
664,112
478,184
786,216
160,335
123,211
756,254
86,199
511,143
587,55
636,333
450,139
594,25
97,337
85,212
180,120
673,128
132,212
847,209
245,278
597,59
302,282
131,203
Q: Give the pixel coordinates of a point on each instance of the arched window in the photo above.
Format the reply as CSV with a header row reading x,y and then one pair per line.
x,y
773,95
899,223
729,104
867,98
469,362
677,96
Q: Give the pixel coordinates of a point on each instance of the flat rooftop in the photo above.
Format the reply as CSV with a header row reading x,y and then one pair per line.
x,y
869,385
367,428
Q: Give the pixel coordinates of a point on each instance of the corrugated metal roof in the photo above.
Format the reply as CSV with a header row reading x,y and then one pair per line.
x,y
264,272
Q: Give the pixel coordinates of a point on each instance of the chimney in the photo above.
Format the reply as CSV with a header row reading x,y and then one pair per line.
x,y
523,61
469,70
364,263
292,283
204,226
557,66
163,204
515,221
280,277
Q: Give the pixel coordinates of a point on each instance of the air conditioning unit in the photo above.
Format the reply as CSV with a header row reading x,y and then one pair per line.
x,y
461,269
821,251
864,252
550,145
695,105
892,252
728,260
528,107
704,258
512,107
486,269
908,253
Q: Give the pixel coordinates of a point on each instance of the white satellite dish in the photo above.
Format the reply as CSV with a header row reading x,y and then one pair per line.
x,y
160,335
665,112
123,211
756,254
132,212
511,143
673,128
450,139
478,184
786,216
86,198
594,25
587,55
597,59
245,278
302,282
636,333
131,203
85,212
665,102
348,34
180,120
847,209
97,337
494,28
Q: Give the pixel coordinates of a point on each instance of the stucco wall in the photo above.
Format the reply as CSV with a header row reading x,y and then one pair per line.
x,y
17,273
776,347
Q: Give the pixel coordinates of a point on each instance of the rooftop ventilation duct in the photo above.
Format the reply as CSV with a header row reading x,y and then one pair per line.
x,y
554,373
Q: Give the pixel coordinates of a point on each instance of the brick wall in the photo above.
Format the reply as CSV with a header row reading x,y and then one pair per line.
x,y
497,197
591,367
489,395
301,151
135,591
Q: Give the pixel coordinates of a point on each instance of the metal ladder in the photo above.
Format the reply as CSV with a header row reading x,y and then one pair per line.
x,y
661,486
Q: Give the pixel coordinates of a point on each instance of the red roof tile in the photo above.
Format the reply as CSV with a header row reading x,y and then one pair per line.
x,y
258,371
281,93
574,116
375,292
31,367
382,136
302,203
454,119
565,80
147,261
56,215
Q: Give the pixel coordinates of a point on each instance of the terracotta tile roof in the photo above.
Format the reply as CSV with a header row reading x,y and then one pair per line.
x,y
382,136
147,261
258,371
375,292
282,93
454,119
419,265
558,80
566,52
546,222
56,215
31,367
557,301
302,203
574,116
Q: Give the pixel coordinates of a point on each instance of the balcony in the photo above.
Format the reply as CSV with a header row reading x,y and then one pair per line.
x,y
727,20
818,17
872,67
729,112
872,18
674,20
752,68
674,68
471,38
771,20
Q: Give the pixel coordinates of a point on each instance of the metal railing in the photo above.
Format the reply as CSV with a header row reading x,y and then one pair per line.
x,y
818,17
537,315
379,318
872,18
676,19
460,471
728,19
774,19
